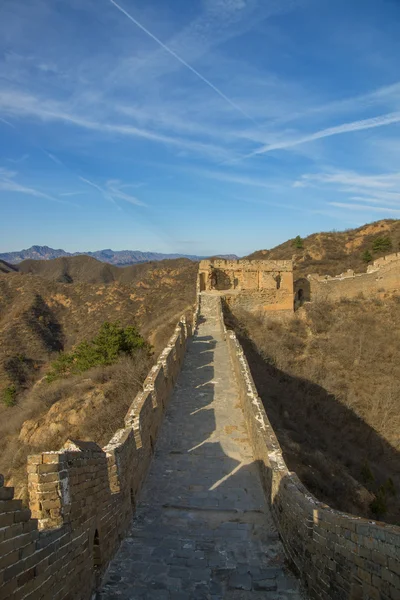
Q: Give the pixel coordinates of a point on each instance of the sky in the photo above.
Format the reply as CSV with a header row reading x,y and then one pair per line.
x,y
197,127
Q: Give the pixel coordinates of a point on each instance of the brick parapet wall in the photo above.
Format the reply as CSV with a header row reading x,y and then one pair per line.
x,y
82,497
337,555
382,276
249,264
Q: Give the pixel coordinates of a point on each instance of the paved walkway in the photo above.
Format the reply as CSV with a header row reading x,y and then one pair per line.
x,y
202,528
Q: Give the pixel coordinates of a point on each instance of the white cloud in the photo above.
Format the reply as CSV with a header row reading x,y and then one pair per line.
x,y
183,62
358,207
380,121
8,184
113,190
24,105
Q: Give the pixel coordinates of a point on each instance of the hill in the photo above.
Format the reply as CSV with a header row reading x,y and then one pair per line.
x,y
329,380
84,269
6,268
114,257
331,253
44,314
51,305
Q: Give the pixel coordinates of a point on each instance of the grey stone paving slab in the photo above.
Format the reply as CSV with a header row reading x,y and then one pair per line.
x,y
202,528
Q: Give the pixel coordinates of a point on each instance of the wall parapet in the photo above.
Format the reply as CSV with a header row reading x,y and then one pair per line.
x,y
81,498
383,275
337,555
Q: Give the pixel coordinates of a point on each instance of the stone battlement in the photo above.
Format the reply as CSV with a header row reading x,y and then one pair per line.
x,y
383,275
250,284
82,497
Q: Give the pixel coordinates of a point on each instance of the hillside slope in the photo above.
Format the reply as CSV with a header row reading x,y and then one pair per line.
x,y
329,378
331,253
84,269
66,300
41,316
6,267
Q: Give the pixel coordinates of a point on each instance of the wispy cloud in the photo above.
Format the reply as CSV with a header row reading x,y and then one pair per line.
x,y
113,190
358,207
9,184
22,105
22,158
380,121
241,179
78,193
350,178
184,63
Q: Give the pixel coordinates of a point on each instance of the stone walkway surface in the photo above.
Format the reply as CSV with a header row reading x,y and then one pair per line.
x,y
202,528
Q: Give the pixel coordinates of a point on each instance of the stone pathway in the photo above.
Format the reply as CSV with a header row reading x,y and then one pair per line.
x,y
202,528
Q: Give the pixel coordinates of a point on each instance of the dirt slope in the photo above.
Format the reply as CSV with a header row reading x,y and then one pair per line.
x,y
40,316
331,253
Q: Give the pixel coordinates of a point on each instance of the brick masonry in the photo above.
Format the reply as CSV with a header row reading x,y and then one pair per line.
x,y
82,497
383,275
250,284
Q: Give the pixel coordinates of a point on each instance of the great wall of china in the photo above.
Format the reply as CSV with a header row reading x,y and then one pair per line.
x,y
198,504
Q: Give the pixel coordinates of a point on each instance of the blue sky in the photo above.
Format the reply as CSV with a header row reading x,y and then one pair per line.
x,y
196,127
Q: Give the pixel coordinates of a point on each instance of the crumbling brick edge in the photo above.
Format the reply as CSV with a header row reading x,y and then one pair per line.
x,y
337,555
82,497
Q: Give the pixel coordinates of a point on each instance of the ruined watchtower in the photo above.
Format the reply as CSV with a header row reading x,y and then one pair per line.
x,y
250,284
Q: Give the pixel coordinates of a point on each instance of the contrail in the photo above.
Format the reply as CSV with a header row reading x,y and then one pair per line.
x,y
7,123
184,63
380,121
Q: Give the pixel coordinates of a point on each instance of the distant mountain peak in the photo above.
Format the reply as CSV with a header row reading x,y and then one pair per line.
x,y
115,257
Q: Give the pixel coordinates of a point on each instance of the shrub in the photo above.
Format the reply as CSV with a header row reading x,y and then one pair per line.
x,y
378,505
298,243
111,342
366,474
9,395
367,256
382,244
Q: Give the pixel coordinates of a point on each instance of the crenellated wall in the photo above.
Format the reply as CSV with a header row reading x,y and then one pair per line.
x,y
82,497
337,555
250,284
383,275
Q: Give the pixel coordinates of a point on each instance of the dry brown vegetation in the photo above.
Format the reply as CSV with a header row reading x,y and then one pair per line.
x,y
331,253
90,406
329,379
41,316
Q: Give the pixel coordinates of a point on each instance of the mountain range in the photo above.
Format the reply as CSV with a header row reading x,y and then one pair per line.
x,y
113,257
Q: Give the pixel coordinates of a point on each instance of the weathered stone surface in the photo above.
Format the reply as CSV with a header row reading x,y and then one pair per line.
x,y
202,526
250,284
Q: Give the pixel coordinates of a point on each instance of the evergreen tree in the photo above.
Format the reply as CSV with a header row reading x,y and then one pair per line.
x,y
298,242
382,244
367,256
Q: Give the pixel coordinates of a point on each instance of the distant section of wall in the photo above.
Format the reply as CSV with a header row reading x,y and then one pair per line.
x,y
251,284
337,555
82,497
382,276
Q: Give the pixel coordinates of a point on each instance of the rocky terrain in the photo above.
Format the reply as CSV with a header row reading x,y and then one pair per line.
x,y
331,253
